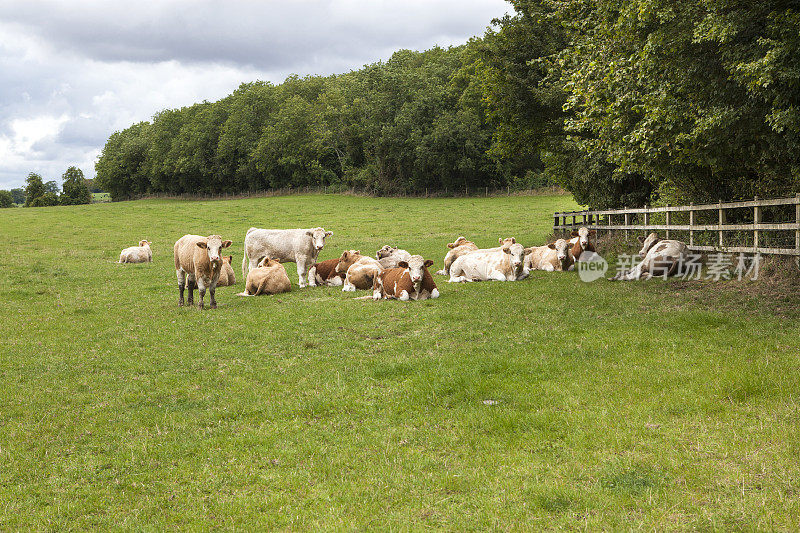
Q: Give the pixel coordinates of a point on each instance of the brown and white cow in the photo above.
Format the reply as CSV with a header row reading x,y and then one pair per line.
x,y
197,261
660,257
390,256
226,275
550,257
581,242
324,273
506,264
458,248
359,270
410,281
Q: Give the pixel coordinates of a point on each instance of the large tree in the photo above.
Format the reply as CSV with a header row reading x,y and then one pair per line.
x,y
74,187
34,189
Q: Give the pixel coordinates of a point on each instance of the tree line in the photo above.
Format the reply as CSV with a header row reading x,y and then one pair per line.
x,y
75,189
619,102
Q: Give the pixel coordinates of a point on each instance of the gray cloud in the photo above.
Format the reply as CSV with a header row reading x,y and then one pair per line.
x,y
75,72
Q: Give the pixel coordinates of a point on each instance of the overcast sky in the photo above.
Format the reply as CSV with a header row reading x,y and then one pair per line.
x,y
73,72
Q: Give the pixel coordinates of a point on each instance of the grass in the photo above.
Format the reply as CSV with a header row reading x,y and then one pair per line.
x,y
98,197
614,405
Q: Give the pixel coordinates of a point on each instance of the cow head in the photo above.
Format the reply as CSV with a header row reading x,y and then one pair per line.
x,y
347,259
508,241
647,243
266,262
416,266
458,242
386,251
517,253
213,244
145,243
583,235
318,237
562,251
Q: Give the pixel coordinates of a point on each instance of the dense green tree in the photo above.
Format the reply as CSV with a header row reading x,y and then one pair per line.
x,y
34,188
74,188
52,187
19,195
6,199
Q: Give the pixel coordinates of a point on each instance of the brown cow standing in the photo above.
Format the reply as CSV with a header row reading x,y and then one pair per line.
x,y
197,261
411,281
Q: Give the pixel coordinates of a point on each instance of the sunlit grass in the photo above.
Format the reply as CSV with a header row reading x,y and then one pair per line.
x,y
614,405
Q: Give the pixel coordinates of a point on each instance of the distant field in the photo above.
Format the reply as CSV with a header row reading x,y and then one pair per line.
x,y
100,197
542,403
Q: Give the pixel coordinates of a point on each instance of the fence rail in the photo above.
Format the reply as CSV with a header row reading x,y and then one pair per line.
x,y
639,219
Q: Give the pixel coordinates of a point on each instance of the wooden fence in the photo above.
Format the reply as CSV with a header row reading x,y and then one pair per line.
x,y
639,219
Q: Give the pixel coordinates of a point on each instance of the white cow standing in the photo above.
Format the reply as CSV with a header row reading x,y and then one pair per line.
x,y
300,246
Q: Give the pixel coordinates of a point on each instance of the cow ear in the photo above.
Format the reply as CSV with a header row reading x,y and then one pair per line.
x,y
202,244
225,244
402,264
507,250
513,240
451,245
552,246
310,233
574,233
640,239
357,252
500,240
428,263
328,233
344,255
592,232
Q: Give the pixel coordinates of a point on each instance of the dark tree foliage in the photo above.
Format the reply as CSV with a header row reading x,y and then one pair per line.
x,y
6,199
19,195
34,189
74,187
622,102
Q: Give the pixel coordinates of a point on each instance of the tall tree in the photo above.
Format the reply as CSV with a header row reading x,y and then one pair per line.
x,y
74,187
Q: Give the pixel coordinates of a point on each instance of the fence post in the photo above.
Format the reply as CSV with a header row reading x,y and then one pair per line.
x,y
627,222
668,219
797,232
555,222
691,224
646,219
722,220
756,220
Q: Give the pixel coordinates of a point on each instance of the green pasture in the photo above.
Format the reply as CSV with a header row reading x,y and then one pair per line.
x,y
544,403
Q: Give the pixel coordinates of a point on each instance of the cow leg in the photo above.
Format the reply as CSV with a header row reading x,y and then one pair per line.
x,y
312,276
496,275
435,293
191,285
181,285
201,289
404,296
213,290
302,273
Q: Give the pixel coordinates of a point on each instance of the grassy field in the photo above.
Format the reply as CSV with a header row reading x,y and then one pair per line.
x,y
542,403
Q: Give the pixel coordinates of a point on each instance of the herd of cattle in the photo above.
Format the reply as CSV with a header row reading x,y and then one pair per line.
x,y
393,273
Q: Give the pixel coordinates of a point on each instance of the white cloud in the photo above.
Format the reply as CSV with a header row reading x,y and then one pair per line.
x,y
72,73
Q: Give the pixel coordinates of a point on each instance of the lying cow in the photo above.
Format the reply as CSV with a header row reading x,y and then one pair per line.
x,y
458,248
197,261
390,256
581,242
137,254
300,246
660,257
507,264
269,277
410,281
226,275
360,270
324,273
550,257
